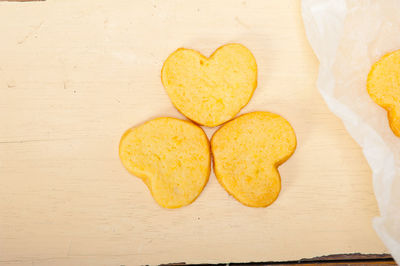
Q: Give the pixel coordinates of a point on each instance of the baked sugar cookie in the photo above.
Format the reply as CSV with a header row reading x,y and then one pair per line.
x,y
247,152
210,91
171,156
383,86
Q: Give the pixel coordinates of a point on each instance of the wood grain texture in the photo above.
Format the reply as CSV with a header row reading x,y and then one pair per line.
x,y
74,75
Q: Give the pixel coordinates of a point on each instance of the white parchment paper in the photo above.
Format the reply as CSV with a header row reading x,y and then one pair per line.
x,y
348,37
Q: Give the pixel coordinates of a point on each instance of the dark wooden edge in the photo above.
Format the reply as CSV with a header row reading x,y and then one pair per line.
x,y
337,259
22,0
353,256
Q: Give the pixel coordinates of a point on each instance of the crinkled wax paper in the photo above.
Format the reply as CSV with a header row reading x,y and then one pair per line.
x,y
348,37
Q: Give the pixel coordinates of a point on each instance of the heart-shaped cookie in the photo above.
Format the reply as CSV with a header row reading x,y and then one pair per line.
x,y
247,152
171,156
383,86
210,91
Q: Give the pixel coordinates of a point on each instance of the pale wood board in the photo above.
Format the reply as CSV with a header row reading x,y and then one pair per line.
x,y
74,75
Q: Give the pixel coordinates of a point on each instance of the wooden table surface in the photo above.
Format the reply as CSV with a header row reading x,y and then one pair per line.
x,y
74,75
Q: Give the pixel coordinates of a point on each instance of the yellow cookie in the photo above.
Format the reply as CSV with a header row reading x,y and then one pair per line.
x,y
210,91
383,86
171,156
247,152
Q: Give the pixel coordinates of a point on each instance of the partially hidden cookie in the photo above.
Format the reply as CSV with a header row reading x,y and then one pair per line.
x,y
247,152
210,91
383,85
171,156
